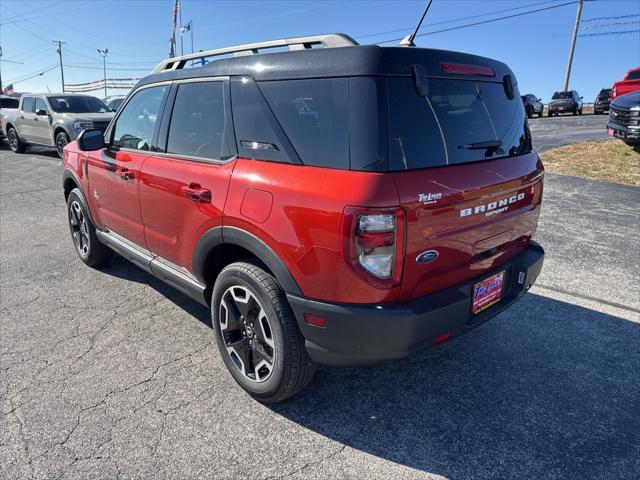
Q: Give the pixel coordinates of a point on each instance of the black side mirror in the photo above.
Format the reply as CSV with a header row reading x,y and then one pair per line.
x,y
41,112
90,140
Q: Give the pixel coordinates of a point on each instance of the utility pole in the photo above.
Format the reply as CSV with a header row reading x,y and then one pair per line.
x,y
576,26
1,69
59,50
103,53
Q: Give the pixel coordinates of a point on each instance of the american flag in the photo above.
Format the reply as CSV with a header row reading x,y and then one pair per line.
x,y
176,11
9,90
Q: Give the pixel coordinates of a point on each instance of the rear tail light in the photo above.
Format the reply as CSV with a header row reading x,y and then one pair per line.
x,y
614,92
374,244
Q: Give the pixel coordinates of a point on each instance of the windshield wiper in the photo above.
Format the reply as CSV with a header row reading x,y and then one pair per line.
x,y
482,145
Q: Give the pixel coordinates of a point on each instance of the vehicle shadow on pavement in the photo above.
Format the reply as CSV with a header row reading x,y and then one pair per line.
x,y
545,390
121,268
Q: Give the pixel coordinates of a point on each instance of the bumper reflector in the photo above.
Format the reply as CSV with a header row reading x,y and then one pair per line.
x,y
315,320
443,337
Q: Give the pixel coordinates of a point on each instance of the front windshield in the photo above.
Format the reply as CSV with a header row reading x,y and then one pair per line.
x,y
77,104
561,95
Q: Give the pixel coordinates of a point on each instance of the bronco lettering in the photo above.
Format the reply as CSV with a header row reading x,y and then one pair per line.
x,y
490,208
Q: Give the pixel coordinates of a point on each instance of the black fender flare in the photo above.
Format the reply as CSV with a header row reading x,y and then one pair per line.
x,y
71,175
235,236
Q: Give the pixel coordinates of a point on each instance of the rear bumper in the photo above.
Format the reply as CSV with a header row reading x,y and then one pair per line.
x,y
601,107
563,109
364,334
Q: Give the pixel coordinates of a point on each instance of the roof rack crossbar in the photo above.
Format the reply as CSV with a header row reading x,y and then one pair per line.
x,y
330,40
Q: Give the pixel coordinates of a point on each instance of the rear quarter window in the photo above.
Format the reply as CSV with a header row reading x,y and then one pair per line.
x,y
314,115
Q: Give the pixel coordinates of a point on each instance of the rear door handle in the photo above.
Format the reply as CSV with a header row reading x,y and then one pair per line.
x,y
124,173
196,193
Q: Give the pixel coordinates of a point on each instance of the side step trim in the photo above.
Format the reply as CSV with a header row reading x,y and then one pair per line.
x,y
155,265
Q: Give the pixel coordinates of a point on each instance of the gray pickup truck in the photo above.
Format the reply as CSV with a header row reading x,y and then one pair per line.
x,y
53,120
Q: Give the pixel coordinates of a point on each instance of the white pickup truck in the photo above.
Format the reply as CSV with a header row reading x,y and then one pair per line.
x,y
53,120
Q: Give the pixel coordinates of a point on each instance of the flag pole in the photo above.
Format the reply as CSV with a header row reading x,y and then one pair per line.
x,y
191,28
181,34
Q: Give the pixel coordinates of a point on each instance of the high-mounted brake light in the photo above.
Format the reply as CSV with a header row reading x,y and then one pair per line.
x,y
373,243
466,69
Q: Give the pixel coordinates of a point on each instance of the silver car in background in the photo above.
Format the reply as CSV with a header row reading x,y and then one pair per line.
x,y
53,120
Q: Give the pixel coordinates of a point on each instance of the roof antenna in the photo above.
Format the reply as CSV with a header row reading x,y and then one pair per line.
x,y
408,40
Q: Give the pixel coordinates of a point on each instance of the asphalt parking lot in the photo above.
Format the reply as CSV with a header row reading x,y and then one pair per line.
x,y
566,129
110,374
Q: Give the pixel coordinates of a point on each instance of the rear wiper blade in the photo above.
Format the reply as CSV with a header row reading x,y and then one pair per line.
x,y
482,145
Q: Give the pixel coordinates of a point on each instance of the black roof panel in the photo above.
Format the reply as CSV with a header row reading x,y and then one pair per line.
x,y
334,62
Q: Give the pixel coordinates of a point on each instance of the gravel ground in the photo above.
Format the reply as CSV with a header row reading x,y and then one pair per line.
x,y
109,374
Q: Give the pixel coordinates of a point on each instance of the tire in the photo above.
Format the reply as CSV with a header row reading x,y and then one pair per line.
x,y
257,334
529,113
575,112
62,139
15,144
541,114
83,232
580,112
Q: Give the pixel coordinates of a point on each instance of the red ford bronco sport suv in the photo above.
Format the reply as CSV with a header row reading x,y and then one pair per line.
x,y
341,205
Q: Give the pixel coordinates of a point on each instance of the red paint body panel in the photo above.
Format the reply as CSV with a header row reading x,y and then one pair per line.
x,y
173,223
298,212
304,227
112,197
460,241
625,86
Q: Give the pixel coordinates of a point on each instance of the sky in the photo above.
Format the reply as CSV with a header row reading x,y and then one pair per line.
x,y
535,46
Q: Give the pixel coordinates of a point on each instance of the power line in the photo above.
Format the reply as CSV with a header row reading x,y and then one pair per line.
x,y
29,76
606,25
23,18
594,19
458,19
100,68
395,40
602,34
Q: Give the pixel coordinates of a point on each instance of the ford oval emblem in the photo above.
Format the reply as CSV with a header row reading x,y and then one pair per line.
x,y
426,257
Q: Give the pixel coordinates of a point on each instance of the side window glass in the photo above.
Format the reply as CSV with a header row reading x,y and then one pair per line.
x,y
136,124
257,131
200,122
28,104
314,115
40,105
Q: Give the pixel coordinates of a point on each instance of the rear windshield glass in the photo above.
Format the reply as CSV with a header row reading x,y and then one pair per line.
x,y
605,93
77,105
635,75
561,95
459,121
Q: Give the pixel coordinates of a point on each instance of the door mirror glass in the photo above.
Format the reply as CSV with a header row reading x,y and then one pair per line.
x,y
90,140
